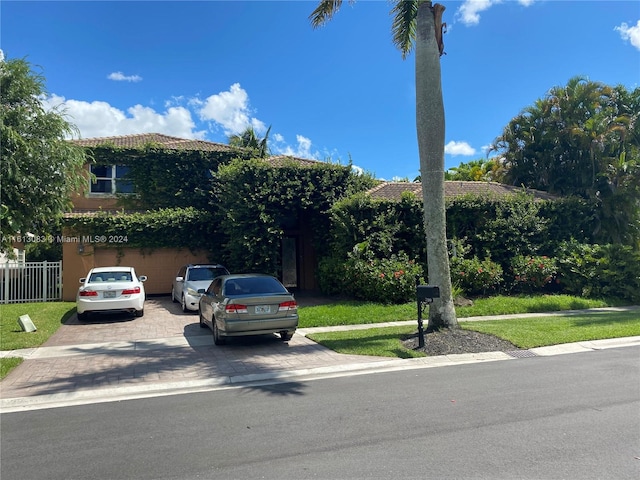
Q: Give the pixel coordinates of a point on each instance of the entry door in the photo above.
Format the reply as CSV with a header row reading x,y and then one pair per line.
x,y
290,262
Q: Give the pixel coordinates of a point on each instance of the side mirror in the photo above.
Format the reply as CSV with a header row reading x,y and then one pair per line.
x,y
142,278
84,279
179,279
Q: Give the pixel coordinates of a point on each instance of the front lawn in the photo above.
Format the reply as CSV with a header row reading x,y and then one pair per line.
x,y
46,316
522,332
543,331
355,313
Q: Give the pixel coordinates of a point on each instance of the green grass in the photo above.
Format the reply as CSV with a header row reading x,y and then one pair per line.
x,y
380,342
354,313
503,305
47,317
8,364
522,332
543,331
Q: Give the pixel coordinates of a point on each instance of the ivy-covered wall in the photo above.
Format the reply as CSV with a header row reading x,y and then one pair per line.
x,y
166,178
187,228
258,204
239,212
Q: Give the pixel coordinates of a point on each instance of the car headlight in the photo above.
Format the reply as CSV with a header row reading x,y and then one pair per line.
x,y
192,292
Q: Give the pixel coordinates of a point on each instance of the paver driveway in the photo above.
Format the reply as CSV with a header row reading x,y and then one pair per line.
x,y
166,345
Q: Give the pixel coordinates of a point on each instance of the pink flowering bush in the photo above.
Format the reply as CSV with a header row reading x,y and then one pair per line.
x,y
474,276
385,280
532,273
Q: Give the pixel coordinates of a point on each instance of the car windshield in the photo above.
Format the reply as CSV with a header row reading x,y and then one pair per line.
x,y
253,286
209,273
110,277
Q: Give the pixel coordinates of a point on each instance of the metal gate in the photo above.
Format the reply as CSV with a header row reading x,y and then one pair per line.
x,y
30,281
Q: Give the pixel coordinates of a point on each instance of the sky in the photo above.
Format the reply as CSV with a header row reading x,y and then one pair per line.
x,y
340,93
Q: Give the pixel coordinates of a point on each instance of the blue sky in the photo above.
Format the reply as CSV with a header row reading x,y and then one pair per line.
x,y
209,69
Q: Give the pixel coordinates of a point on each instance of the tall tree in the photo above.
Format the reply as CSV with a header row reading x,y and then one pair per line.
x,y
40,169
581,139
248,139
419,23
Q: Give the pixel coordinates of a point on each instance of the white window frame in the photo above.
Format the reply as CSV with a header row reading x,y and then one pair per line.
x,y
113,179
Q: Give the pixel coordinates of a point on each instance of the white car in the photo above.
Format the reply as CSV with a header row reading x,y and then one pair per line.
x,y
111,289
191,281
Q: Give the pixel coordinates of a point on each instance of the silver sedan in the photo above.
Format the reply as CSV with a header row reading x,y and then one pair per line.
x,y
248,304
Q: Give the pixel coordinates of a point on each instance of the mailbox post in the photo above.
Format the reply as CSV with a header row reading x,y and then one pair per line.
x,y
424,295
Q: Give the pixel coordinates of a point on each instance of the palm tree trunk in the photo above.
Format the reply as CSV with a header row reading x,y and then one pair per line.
x,y
431,135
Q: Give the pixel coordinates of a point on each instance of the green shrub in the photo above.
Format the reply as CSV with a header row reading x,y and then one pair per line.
x,y
474,276
605,271
531,273
331,275
384,280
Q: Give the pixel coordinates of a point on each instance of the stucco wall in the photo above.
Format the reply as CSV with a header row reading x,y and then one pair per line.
x,y
160,266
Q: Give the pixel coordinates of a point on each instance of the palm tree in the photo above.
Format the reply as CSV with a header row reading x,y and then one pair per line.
x,y
581,139
419,22
248,139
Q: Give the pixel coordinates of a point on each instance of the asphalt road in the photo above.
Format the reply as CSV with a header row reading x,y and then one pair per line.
x,y
563,417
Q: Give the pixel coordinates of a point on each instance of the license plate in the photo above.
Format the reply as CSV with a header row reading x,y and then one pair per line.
x,y
109,294
263,309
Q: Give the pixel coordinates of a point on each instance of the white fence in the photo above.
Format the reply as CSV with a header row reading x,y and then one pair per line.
x,y
30,281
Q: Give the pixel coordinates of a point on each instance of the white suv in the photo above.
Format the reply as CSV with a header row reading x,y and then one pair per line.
x,y
191,281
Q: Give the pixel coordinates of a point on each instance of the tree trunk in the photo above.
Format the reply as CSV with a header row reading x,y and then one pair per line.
x,y
431,136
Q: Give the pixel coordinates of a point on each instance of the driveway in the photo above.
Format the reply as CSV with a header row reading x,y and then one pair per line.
x,y
164,346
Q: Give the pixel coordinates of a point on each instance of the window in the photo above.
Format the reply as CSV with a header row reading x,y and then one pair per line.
x,y
111,179
214,288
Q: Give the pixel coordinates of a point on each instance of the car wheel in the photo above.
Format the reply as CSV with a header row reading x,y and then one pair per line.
x,y
82,317
183,304
173,295
286,336
217,338
139,313
202,324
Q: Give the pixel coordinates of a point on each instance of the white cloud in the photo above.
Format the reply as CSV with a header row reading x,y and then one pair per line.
x,y
258,126
302,149
121,77
459,148
99,119
230,110
357,170
469,11
631,34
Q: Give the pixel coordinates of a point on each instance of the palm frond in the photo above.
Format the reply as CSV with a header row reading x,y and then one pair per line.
x,y
324,12
403,27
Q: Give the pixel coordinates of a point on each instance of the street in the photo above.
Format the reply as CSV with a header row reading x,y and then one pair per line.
x,y
563,417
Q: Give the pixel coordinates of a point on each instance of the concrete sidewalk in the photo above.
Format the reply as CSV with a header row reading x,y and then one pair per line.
x,y
166,352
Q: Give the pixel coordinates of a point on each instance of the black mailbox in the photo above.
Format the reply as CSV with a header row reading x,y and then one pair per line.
x,y
425,292
425,295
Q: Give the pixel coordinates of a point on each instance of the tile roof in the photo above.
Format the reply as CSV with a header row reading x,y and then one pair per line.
x,y
166,141
394,190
